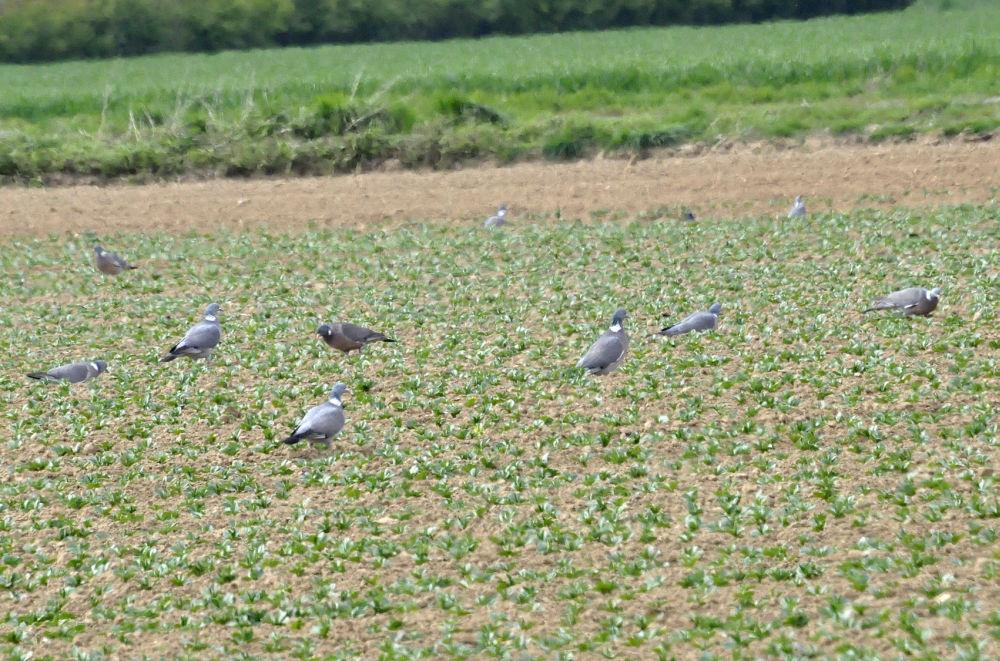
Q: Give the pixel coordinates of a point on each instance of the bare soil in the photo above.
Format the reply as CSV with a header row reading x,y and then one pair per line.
x,y
745,181
731,181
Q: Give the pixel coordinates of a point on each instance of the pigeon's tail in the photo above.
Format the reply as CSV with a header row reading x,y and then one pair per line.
x,y
387,339
171,354
40,376
668,331
293,439
131,267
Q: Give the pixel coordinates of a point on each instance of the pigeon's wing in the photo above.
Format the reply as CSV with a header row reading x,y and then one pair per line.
x,y
699,321
121,261
898,300
361,334
74,373
906,297
910,298
203,335
306,423
305,428
322,421
494,221
608,349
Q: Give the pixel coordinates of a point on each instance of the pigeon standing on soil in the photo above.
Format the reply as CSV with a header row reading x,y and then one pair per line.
x,y
911,301
498,219
798,209
321,423
606,354
699,321
688,215
73,373
109,262
200,339
348,337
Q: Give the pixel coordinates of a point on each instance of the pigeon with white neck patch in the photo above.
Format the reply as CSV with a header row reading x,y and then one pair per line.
x,y
200,339
607,353
109,262
321,423
498,219
73,373
798,209
701,321
912,301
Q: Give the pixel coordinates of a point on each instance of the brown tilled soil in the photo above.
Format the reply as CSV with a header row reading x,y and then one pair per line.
x,y
744,180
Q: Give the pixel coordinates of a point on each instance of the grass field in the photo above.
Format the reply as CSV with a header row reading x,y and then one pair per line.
x,y
803,481
339,108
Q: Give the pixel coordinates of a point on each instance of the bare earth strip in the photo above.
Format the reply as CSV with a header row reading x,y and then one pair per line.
x,y
745,180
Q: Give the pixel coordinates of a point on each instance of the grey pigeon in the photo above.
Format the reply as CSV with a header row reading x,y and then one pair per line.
x,y
74,372
109,262
498,219
911,301
688,215
699,321
200,339
348,337
323,422
606,354
798,209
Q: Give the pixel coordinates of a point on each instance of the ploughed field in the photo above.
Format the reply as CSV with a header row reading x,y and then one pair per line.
x,y
803,480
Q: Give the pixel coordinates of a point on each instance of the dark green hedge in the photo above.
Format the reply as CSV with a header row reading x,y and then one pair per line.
x,y
39,30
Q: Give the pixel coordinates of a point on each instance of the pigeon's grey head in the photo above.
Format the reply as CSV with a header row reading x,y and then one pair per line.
x,y
798,199
212,310
324,330
101,366
502,210
716,308
934,293
99,250
620,316
338,391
